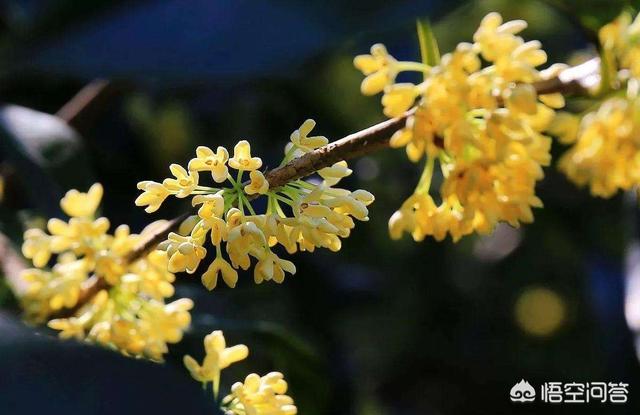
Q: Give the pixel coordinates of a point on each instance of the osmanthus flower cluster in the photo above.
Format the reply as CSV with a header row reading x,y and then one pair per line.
x,y
257,395
479,118
131,314
605,151
301,215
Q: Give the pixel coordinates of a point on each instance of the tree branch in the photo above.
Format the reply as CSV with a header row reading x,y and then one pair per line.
x,y
155,238
577,79
574,80
89,288
11,265
81,111
354,145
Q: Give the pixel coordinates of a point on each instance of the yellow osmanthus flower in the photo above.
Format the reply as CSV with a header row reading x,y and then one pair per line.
x,y
185,182
37,247
219,266
483,124
242,159
131,316
79,204
212,205
207,160
380,67
606,153
260,395
300,142
185,253
257,395
332,175
258,185
48,292
300,215
398,98
152,196
565,127
217,357
622,39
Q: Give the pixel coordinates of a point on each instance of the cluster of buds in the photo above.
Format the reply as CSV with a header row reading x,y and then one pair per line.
x,y
301,215
260,395
483,125
605,150
621,39
257,395
131,314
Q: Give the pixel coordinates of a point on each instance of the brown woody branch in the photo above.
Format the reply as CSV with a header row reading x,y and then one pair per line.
x,y
89,288
155,238
574,80
577,79
354,145
85,107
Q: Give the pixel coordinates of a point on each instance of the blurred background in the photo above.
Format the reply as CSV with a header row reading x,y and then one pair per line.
x,y
114,91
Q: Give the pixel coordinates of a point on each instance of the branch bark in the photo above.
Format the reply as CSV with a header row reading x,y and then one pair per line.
x,y
574,80
155,238
12,264
354,145
89,288
86,106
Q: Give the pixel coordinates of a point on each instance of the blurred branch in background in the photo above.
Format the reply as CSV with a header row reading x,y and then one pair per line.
x,y
86,106
11,265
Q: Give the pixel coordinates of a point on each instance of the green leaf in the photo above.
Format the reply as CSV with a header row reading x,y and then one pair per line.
x,y
607,71
428,43
205,323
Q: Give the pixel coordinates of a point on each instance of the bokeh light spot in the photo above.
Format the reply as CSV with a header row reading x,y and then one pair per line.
x,y
367,168
540,311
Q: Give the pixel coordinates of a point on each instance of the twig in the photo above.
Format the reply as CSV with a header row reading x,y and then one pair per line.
x,y
94,98
155,238
354,145
12,264
573,80
577,79
89,288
